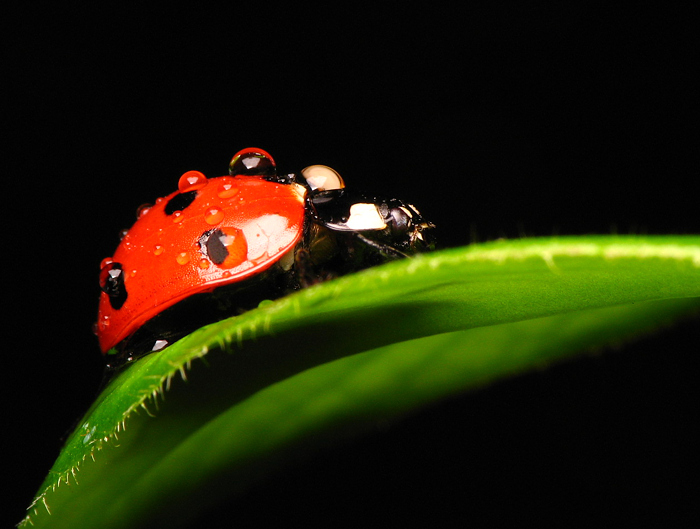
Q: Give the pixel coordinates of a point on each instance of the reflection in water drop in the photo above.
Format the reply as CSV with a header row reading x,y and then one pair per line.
x,y
214,216
227,190
142,210
191,181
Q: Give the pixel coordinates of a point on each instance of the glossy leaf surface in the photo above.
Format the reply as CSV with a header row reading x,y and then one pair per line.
x,y
197,422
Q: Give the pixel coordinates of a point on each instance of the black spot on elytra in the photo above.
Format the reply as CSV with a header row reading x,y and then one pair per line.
x,y
179,202
210,243
112,284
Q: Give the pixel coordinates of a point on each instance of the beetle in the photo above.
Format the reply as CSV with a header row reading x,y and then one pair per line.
x,y
217,247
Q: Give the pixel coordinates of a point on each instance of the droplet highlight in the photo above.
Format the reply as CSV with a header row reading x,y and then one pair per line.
x,y
160,344
142,210
214,216
191,181
227,190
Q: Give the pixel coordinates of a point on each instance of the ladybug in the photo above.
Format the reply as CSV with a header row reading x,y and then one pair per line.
x,y
217,247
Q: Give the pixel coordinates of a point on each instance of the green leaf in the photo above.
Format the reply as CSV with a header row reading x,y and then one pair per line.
x,y
183,428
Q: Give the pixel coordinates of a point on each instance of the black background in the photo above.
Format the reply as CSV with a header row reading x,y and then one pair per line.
x,y
496,121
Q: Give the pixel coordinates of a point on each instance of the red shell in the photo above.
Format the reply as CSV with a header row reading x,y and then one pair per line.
x,y
163,261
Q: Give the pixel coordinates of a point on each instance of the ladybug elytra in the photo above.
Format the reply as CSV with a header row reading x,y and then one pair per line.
x,y
218,246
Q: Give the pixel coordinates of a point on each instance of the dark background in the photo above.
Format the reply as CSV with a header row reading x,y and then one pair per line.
x,y
496,121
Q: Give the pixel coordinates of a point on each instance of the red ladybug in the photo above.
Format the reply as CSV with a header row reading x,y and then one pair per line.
x,y
219,246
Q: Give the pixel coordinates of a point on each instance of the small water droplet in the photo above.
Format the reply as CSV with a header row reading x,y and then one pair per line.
x,y
226,274
142,210
204,263
178,216
191,181
132,273
262,258
214,216
158,249
183,258
160,344
89,432
227,190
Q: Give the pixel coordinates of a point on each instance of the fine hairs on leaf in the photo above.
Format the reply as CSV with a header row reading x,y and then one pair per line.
x,y
186,427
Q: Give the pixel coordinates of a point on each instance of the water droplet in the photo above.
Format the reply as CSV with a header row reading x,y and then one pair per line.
x,y
226,274
105,262
204,263
191,181
261,258
183,258
227,190
225,247
142,210
89,432
160,344
252,161
132,273
158,250
214,216
178,216
112,284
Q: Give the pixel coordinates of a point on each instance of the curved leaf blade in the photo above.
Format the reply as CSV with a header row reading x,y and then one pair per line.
x,y
264,360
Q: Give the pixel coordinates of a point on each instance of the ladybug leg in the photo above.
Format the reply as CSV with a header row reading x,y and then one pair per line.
x,y
383,248
305,271
303,267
